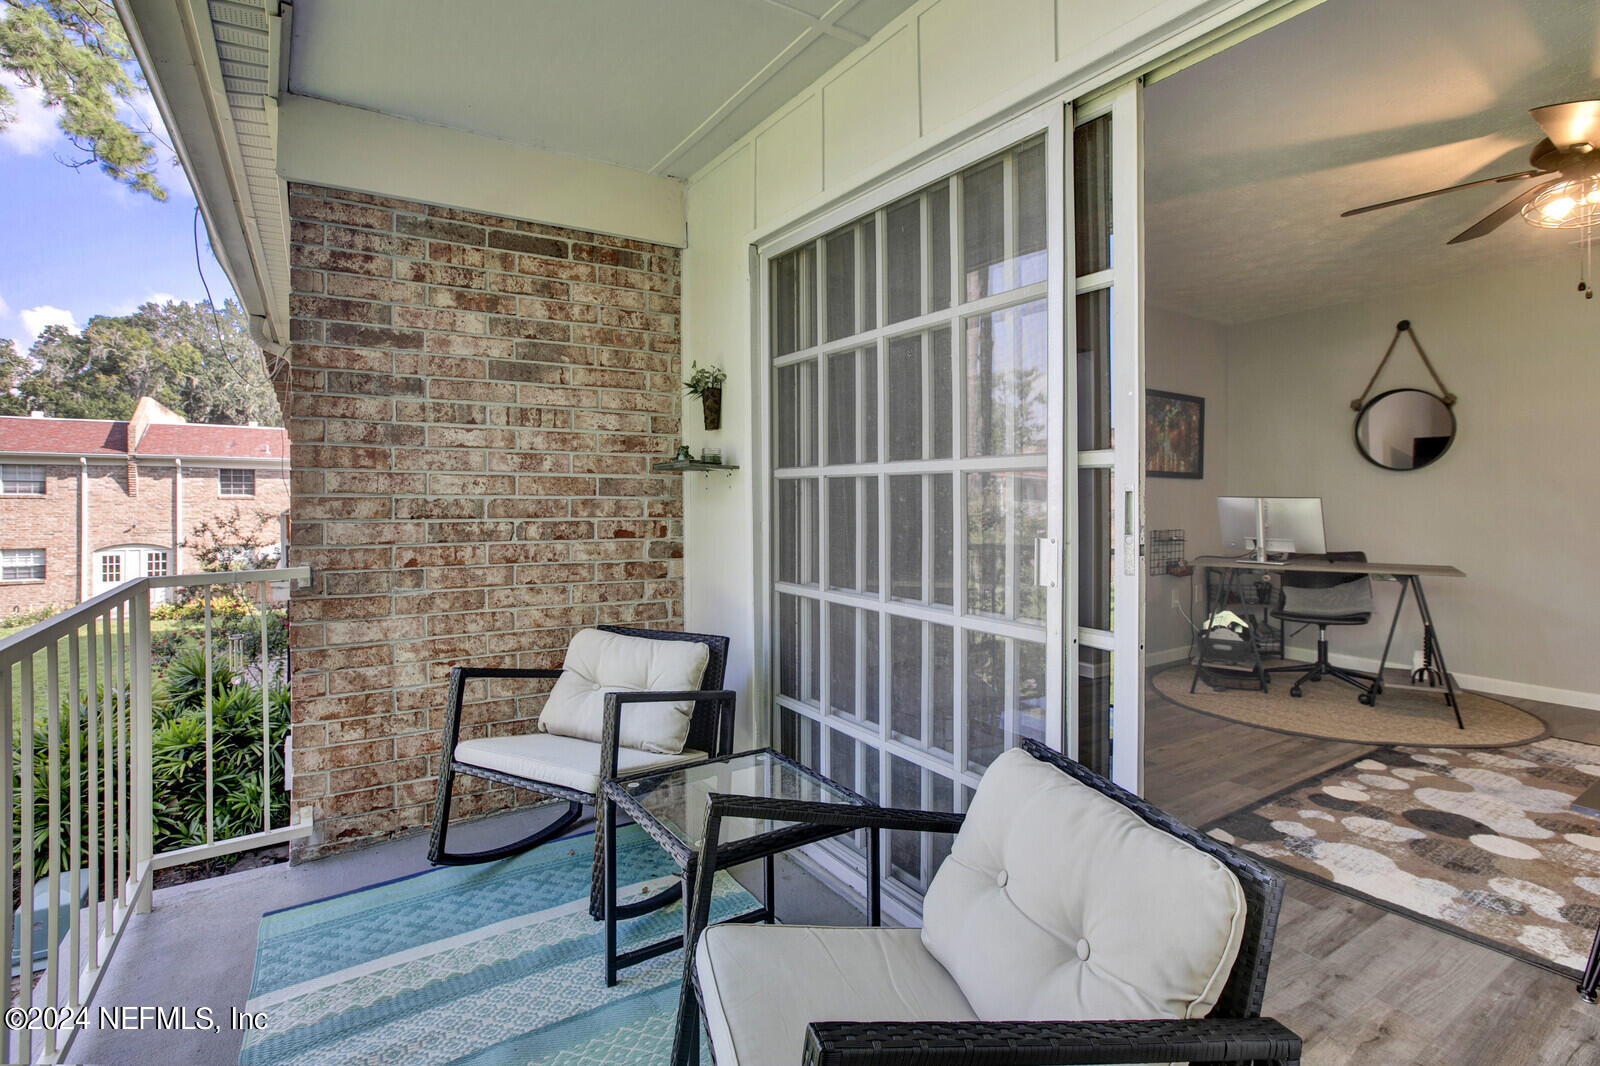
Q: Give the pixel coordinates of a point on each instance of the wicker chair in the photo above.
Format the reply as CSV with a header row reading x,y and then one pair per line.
x,y
724,976
498,759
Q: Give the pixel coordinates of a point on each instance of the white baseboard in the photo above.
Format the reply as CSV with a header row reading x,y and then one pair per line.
x,y
1493,686
1169,655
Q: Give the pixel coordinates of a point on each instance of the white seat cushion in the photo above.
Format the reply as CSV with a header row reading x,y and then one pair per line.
x,y
565,761
1057,902
762,985
599,662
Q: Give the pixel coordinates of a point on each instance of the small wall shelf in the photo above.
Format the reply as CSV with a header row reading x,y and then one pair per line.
x,y
691,464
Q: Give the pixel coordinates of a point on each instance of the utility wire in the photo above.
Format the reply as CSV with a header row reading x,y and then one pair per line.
x,y
211,304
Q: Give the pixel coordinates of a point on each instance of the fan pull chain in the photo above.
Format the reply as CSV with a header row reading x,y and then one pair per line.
x,y
1586,269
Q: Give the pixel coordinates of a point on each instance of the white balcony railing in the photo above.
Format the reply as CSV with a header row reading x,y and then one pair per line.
x,y
100,847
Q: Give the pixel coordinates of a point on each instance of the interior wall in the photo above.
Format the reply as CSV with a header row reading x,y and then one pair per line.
x,y
1184,354
942,69
1514,503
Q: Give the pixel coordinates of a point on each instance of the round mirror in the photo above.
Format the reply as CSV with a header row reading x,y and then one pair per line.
x,y
1405,429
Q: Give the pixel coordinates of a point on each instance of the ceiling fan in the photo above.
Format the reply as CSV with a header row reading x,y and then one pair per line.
x,y
1570,153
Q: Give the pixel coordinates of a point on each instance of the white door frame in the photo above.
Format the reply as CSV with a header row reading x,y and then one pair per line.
x,y
1127,412
1125,458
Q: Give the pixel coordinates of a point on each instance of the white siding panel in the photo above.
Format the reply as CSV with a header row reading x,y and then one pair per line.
x,y
871,109
718,540
974,50
1080,23
789,161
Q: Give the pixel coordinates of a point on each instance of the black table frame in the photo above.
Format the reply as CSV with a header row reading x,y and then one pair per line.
x,y
615,795
1589,804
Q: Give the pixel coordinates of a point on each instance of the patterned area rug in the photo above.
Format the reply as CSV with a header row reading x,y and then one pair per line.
x,y
482,965
1328,709
1482,844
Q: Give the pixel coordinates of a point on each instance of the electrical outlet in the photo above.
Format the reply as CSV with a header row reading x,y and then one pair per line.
x,y
1177,601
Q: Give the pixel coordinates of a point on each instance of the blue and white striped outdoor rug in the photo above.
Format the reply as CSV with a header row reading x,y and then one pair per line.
x,y
481,965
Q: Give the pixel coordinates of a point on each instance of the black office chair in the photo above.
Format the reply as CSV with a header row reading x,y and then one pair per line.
x,y
1328,599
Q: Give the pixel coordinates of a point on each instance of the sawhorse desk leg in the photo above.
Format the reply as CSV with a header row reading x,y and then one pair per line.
x,y
1431,651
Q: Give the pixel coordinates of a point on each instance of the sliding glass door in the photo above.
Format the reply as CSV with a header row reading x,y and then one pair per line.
x,y
941,474
911,389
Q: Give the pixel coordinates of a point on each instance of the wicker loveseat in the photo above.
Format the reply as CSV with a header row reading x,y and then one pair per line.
x,y
1072,923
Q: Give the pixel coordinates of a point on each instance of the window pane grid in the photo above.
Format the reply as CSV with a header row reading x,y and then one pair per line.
x,y
871,453
22,564
22,480
235,482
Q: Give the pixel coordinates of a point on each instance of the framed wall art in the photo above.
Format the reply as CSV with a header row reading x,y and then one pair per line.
x,y
1174,434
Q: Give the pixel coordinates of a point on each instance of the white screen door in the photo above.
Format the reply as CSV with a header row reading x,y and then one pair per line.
x,y
1106,464
943,471
917,450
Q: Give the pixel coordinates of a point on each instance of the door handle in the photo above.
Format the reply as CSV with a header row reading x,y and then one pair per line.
x,y
1130,546
1047,562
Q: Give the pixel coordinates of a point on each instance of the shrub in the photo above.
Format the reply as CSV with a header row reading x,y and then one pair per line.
x,y
178,777
24,619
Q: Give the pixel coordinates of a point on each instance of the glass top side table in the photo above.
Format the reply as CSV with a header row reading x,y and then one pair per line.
x,y
670,805
674,801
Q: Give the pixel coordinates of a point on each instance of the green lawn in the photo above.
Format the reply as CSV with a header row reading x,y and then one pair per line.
x,y
41,672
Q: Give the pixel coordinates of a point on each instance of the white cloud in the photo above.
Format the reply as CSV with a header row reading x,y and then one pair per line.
x,y
36,319
128,307
5,308
35,127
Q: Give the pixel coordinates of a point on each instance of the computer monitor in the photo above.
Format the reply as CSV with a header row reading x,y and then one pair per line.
x,y
1236,515
1294,525
1287,524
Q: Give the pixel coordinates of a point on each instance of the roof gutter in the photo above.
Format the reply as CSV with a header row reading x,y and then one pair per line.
x,y
175,47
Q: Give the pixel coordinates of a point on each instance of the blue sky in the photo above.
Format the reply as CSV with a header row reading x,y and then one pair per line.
x,y
78,243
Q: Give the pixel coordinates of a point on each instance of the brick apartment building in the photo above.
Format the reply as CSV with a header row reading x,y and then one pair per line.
x,y
86,504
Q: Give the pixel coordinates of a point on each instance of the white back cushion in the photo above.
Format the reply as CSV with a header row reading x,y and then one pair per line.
x,y
1059,903
599,662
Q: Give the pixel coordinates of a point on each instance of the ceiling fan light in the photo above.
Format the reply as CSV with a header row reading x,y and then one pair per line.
x,y
1569,205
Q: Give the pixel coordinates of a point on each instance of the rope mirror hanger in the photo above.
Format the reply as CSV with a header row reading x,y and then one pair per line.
x,y
1404,428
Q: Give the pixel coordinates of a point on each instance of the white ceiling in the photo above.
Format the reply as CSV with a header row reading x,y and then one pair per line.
x,y
656,85
1252,155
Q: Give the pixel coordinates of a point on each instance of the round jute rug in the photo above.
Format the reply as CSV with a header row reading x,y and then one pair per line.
x,y
1404,716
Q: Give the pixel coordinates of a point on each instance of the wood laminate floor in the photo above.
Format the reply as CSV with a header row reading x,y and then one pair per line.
x,y
1364,987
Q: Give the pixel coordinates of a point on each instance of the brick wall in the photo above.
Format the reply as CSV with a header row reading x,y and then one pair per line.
x,y
49,522
118,517
473,403
203,500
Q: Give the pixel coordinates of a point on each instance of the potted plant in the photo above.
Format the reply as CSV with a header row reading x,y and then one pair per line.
x,y
706,383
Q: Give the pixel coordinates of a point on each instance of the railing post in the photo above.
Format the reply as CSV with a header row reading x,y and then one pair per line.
x,y
143,751
266,721
7,783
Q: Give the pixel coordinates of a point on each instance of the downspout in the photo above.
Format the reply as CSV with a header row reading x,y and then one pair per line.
x,y
83,529
177,516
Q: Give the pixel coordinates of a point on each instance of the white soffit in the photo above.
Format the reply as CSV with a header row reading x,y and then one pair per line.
x,y
247,59
1252,154
656,86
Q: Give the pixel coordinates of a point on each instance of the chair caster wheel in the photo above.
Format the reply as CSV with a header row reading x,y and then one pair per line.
x,y
1366,698
1295,692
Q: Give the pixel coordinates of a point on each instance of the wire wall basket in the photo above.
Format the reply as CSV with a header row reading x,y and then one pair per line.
x,y
1166,551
